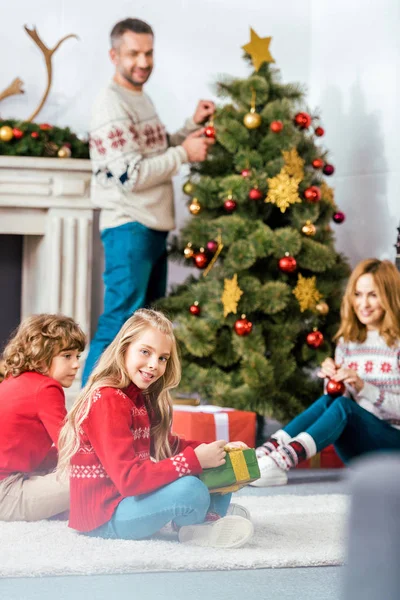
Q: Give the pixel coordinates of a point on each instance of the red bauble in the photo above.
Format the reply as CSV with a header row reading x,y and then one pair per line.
x,y
46,127
200,259
287,264
335,388
246,172
339,217
317,163
328,169
195,309
17,133
312,194
212,246
34,135
255,194
209,132
243,326
302,120
315,339
230,205
276,126
319,131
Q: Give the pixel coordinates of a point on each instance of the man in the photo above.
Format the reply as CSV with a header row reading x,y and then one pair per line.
x,y
133,161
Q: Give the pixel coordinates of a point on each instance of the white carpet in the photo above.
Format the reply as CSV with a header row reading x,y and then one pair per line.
x,y
290,531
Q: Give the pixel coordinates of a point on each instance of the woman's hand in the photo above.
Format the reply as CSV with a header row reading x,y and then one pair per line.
x,y
235,446
211,455
328,368
349,377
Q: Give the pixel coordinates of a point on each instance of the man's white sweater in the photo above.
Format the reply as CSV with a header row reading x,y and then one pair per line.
x,y
133,160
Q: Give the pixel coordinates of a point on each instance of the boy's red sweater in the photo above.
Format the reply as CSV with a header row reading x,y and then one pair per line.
x,y
32,411
113,460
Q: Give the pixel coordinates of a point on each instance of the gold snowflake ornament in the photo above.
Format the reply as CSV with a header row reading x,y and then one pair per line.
x,y
306,292
283,190
327,193
231,296
294,164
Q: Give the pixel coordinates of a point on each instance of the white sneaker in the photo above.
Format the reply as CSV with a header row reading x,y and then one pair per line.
x,y
239,510
228,532
271,474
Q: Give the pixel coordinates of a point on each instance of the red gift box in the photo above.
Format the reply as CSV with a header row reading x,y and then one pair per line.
x,y
326,459
209,423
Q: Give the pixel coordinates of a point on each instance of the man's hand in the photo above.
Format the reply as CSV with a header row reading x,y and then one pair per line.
x,y
205,109
197,146
211,455
350,377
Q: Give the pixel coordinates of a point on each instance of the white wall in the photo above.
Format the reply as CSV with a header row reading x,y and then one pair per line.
x,y
345,52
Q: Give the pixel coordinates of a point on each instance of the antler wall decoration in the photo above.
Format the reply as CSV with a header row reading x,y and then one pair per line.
x,y
16,86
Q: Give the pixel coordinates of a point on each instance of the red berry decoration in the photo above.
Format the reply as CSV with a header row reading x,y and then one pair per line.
x,y
312,194
243,326
315,339
195,309
246,173
212,246
46,127
319,131
287,264
34,135
276,126
17,133
255,194
302,120
209,131
339,217
328,169
200,259
335,388
230,205
317,163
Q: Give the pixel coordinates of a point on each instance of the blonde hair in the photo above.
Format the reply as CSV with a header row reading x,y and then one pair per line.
x,y
38,339
111,372
387,281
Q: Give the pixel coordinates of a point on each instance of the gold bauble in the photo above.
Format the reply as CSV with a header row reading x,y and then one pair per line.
x,y
195,207
309,228
188,188
64,152
252,120
6,133
188,251
322,308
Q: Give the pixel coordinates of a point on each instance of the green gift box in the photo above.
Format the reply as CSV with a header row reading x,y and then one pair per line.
x,y
241,468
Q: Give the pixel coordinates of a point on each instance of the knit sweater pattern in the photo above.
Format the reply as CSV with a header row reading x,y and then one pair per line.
x,y
133,160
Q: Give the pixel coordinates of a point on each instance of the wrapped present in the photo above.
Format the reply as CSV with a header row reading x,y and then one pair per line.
x,y
207,423
240,468
326,459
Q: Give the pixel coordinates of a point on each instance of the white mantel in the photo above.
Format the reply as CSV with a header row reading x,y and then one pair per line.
x,y
47,200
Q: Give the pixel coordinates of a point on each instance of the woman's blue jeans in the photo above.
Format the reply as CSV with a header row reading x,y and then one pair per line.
x,y
135,276
185,501
342,422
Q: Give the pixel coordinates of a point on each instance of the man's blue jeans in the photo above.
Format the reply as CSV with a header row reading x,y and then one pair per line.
x,y
185,501
135,276
342,422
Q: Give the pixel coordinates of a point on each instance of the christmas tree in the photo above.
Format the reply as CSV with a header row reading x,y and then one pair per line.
x,y
261,315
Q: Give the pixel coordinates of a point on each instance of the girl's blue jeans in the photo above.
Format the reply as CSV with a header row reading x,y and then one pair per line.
x,y
135,276
185,501
342,422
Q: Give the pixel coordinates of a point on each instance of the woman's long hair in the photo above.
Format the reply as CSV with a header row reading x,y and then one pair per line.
x,y
387,281
111,372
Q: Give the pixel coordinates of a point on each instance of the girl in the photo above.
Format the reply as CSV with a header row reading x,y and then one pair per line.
x,y
129,475
367,360
41,359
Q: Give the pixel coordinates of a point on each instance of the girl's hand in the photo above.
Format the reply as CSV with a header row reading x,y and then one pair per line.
x,y
350,377
328,368
211,455
236,446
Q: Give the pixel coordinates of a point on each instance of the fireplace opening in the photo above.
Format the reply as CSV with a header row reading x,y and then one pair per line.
x,y
10,285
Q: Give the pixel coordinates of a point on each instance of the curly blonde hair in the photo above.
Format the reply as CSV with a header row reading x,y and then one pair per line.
x,y
38,339
387,280
111,372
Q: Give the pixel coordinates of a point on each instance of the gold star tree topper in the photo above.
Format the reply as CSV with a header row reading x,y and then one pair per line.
x,y
283,190
306,292
294,164
258,48
231,296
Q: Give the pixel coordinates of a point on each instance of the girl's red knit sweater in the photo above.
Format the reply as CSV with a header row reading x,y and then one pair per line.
x,y
113,460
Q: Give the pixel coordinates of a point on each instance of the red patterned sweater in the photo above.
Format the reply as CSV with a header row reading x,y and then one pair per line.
x,y
113,460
